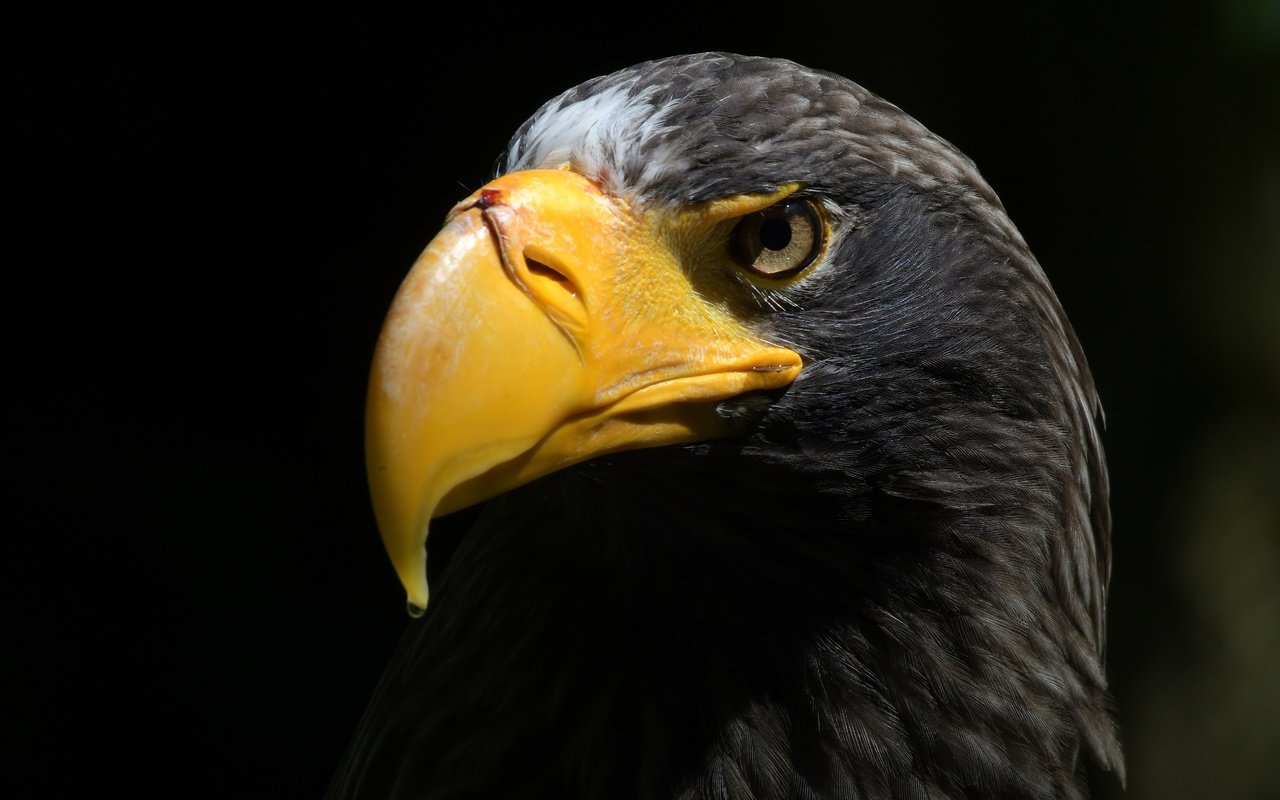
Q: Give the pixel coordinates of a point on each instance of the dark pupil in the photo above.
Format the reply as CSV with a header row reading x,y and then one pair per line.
x,y
775,233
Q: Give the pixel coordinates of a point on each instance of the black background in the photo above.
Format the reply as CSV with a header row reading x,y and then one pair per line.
x,y
209,215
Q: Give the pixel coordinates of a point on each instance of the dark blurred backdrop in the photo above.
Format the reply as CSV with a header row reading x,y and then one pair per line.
x,y
209,214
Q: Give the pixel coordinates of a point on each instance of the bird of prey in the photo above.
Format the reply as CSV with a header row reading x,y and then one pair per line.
x,y
760,458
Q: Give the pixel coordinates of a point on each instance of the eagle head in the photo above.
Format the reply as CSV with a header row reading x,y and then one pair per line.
x,y
765,457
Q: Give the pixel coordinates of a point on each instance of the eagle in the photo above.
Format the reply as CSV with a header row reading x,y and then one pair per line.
x,y
761,461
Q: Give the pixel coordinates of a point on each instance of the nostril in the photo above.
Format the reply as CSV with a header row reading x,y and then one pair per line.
x,y
542,270
554,290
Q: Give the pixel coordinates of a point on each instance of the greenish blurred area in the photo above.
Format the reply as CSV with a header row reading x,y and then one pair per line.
x,y
1195,614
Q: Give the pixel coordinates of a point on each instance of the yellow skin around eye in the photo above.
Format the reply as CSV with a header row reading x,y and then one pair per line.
x,y
702,235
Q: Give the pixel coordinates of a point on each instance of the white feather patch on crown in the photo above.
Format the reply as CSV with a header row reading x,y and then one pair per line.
x,y
608,137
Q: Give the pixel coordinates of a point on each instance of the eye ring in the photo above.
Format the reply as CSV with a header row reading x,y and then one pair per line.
x,y
778,242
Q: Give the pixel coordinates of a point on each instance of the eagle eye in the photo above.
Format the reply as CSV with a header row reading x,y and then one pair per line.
x,y
780,241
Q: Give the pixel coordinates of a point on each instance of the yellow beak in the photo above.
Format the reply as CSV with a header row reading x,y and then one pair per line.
x,y
546,324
